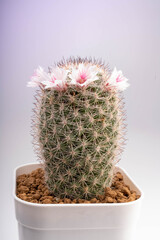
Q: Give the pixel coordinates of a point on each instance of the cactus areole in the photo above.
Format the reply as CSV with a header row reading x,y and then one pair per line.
x,y
78,125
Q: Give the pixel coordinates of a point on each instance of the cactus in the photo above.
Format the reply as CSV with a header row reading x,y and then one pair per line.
x,y
78,128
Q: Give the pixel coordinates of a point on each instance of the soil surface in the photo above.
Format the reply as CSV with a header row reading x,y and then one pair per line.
x,y
31,188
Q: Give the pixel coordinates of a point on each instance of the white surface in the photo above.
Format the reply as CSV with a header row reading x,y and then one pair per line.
x,y
124,33
86,221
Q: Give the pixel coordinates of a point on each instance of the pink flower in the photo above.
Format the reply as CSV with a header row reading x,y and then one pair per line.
x,y
117,80
84,75
37,78
57,79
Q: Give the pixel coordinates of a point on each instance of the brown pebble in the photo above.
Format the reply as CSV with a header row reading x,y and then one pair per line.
x,y
67,200
120,194
117,184
29,199
46,197
138,196
31,180
121,200
40,187
21,178
101,197
38,181
29,195
119,176
131,198
34,173
109,200
133,195
36,196
47,201
110,192
46,193
93,200
45,190
80,201
23,189
22,196
125,190
34,201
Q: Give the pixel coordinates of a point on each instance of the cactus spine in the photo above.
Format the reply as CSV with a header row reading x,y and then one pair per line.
x,y
79,134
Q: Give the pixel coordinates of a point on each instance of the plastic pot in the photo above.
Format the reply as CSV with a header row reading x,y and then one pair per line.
x,y
113,221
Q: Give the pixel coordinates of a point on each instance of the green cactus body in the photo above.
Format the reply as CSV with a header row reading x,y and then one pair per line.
x,y
79,133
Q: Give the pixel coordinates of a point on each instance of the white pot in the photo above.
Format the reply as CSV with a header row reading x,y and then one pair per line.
x,y
113,221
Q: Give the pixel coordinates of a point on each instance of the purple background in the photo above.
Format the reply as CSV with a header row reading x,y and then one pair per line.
x,y
125,34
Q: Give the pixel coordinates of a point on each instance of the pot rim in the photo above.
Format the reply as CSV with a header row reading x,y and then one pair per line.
x,y
79,204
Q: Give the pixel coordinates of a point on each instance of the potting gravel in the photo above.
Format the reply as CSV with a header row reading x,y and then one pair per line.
x,y
32,188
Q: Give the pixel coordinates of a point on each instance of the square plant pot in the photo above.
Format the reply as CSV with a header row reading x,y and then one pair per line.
x,y
113,221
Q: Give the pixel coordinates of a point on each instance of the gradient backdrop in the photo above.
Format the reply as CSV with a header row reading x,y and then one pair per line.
x,y
125,34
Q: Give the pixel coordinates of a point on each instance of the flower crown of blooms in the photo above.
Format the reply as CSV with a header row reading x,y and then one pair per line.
x,y
81,75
